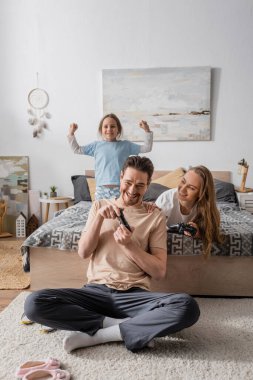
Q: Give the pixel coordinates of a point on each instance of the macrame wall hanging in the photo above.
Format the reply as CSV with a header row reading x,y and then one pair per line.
x,y
38,100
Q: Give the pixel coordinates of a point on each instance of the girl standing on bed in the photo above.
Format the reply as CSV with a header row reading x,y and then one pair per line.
x,y
194,202
110,153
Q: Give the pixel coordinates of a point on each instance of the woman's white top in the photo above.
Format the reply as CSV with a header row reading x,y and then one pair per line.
x,y
169,203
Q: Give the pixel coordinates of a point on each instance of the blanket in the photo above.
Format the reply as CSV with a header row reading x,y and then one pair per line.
x,y
64,230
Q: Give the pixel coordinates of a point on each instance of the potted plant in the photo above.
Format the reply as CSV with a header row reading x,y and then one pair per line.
x,y
53,192
45,195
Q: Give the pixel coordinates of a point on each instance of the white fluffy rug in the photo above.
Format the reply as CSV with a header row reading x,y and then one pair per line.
x,y
218,347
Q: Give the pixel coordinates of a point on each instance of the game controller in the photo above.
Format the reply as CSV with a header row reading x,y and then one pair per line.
x,y
123,220
180,228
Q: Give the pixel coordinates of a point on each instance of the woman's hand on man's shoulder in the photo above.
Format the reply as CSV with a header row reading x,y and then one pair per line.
x,y
150,206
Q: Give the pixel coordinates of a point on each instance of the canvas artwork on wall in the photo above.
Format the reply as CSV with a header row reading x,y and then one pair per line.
x,y
174,101
14,188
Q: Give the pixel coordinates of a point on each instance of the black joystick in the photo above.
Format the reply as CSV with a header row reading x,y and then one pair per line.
x,y
180,228
123,220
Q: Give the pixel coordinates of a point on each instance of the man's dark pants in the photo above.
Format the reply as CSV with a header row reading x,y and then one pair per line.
x,y
151,314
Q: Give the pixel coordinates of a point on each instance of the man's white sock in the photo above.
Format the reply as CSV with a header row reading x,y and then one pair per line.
x,y
78,339
107,322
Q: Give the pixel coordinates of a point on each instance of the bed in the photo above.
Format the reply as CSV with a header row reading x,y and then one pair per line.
x,y
49,253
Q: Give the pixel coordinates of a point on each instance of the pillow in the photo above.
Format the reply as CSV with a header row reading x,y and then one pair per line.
x,y
225,191
153,192
81,188
171,179
92,187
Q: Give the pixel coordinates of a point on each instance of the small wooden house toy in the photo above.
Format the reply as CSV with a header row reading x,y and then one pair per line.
x,y
21,226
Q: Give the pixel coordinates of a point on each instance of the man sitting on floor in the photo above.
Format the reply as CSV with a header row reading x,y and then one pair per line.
x,y
116,304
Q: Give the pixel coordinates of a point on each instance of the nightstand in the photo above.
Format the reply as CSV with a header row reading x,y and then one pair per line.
x,y
56,201
245,201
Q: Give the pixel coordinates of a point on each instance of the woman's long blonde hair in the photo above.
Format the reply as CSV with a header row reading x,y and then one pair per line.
x,y
208,216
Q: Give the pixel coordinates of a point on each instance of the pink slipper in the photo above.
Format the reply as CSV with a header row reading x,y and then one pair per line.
x,y
52,374
31,365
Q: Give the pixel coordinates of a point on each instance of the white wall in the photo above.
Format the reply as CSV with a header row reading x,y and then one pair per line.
x,y
69,42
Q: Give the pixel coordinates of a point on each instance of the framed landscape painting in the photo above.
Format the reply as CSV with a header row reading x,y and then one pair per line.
x,y
174,101
14,188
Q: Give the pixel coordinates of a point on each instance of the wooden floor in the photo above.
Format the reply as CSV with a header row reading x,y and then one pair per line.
x,y
7,296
